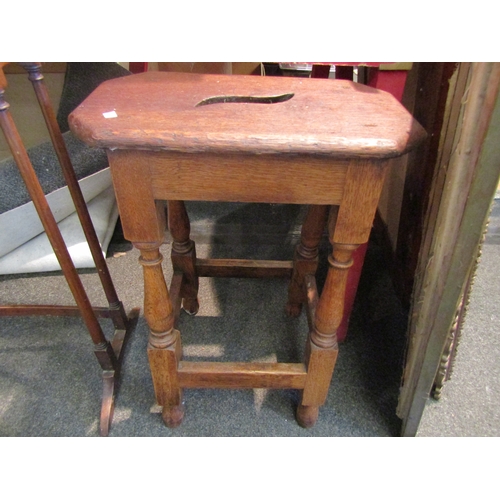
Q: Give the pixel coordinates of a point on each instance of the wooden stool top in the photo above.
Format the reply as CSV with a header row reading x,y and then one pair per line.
x,y
205,113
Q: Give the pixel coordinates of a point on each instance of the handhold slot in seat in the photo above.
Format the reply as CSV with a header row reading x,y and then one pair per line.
x,y
245,99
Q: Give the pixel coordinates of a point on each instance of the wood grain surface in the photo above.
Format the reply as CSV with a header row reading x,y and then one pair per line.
x,y
157,110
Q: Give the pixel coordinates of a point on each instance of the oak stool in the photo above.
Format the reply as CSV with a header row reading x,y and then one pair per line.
x,y
225,138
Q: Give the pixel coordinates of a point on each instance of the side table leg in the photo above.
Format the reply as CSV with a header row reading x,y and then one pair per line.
x,y
322,348
183,254
164,346
305,260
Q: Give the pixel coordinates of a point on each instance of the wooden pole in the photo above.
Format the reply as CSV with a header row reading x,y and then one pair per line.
x,y
102,348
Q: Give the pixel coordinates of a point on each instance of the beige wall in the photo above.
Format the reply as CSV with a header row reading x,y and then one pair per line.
x,y
24,107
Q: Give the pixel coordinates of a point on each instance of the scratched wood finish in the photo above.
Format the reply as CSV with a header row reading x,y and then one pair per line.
x,y
312,297
157,110
242,375
251,179
327,145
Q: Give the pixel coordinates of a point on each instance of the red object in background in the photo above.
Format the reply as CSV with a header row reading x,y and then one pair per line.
x,y
137,67
392,81
320,71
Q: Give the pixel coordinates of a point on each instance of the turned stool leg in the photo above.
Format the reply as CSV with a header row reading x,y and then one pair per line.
x,y
305,260
349,226
183,254
321,347
164,346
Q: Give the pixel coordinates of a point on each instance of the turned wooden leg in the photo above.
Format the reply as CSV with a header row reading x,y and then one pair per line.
x,y
305,260
349,225
164,346
183,254
322,348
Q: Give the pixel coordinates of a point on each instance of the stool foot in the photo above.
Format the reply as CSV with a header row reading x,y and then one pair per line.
x,y
173,415
307,415
191,306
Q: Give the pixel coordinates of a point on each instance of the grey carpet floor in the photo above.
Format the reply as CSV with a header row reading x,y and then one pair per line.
x,y
50,381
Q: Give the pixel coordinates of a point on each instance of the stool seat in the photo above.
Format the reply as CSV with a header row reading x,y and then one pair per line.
x,y
158,110
175,137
